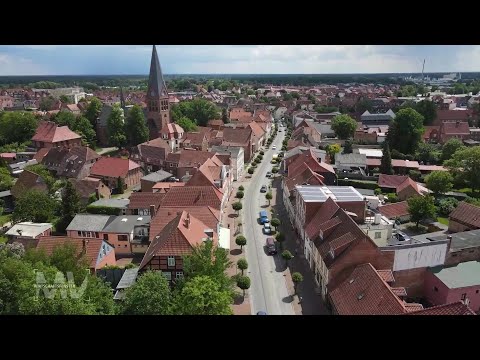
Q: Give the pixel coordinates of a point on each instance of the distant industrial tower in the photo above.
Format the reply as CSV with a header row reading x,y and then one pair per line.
x,y
423,68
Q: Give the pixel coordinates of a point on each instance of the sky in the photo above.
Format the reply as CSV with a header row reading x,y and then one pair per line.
x,y
236,59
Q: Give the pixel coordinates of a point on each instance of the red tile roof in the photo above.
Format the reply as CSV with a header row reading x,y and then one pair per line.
x,y
405,164
165,186
408,182
466,213
399,291
452,115
411,307
27,181
193,196
374,162
87,186
456,308
237,136
189,158
50,132
142,200
454,128
41,153
431,168
386,275
113,167
326,212
304,175
395,210
93,246
390,181
257,130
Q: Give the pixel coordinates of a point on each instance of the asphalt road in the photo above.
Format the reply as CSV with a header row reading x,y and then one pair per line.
x,y
268,290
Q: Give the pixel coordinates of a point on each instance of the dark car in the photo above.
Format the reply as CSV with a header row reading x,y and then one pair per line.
x,y
401,236
261,313
263,189
269,174
271,247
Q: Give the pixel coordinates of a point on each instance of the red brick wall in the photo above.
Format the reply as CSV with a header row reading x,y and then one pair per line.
x,y
471,254
406,193
133,177
365,137
455,226
108,260
412,280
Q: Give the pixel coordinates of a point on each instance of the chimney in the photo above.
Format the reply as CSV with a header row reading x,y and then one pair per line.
x,y
152,210
449,238
187,221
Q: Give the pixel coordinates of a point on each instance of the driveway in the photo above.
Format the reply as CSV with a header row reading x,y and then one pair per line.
x,y
268,291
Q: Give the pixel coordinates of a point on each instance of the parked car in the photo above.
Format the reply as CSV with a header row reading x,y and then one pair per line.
x,y
263,189
271,246
274,147
267,229
261,313
264,217
269,174
401,236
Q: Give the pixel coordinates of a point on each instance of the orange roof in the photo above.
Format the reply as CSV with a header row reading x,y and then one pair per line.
x,y
113,167
50,132
193,196
456,308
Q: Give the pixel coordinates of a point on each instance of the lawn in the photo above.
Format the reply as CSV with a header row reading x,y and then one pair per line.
x,y
443,220
4,219
3,239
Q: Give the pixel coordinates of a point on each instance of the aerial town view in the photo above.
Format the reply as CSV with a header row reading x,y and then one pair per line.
x,y
266,180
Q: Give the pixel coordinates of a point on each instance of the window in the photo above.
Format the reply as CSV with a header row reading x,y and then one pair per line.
x,y
464,296
476,292
122,238
105,237
178,274
167,274
171,260
79,233
435,289
378,234
96,235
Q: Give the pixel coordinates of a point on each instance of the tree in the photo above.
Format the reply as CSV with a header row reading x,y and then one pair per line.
x,y
70,206
237,206
17,127
405,132
447,205
46,104
209,260
275,222
415,175
428,109
136,126
243,282
242,264
65,118
35,206
363,105
347,147
465,163
450,147
225,118
287,97
203,296
116,128
239,195
440,182
199,110
93,110
6,180
241,241
428,153
187,124
150,295
331,150
297,278
64,99
241,188
280,237
386,163
84,128
287,256
421,208
251,170
344,126
269,197
120,185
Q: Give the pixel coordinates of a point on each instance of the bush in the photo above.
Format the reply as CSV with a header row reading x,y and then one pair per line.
x,y
447,205
103,210
262,152
241,188
391,198
239,195
378,191
275,170
358,183
415,175
273,161
260,157
257,160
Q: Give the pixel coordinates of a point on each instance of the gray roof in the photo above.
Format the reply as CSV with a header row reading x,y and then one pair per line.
x,y
125,223
459,276
323,129
156,84
5,193
389,115
22,165
366,192
359,159
233,150
157,176
90,222
320,154
462,240
311,193
128,278
113,203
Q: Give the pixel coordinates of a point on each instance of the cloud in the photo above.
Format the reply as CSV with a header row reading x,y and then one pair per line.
x,y
13,65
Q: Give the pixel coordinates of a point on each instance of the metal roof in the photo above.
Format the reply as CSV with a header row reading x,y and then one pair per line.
x,y
126,223
159,175
461,240
128,278
311,193
459,276
113,203
90,222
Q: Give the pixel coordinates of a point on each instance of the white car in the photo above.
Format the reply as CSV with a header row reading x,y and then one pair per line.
x,y
267,229
274,147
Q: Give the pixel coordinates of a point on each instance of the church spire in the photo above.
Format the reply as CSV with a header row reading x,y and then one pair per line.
x,y
156,84
122,98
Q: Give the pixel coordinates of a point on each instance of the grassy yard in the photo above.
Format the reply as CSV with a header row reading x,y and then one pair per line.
x,y
442,220
3,239
4,219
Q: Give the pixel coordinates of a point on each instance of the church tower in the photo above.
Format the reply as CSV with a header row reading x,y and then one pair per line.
x,y
158,107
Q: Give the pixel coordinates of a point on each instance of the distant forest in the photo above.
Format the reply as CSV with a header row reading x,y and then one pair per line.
x,y
181,82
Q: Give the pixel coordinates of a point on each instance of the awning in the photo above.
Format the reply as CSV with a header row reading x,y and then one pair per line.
x,y
224,238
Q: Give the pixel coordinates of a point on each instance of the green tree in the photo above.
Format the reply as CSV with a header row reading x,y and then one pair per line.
x,y
237,206
35,206
421,208
239,195
241,188
136,126
17,127
209,260
287,256
386,163
428,153
150,295
225,117
348,147
287,97
120,185
269,197
243,282
465,163
363,105
275,222
242,264
116,127
241,241
70,206
187,124
297,278
65,118
428,109
93,110
440,182
331,150
405,132
64,99
415,175
450,147
6,180
199,110
84,128
251,170
46,104
280,237
202,295
344,126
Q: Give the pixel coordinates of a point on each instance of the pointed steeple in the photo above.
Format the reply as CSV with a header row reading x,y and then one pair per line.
x,y
156,84
122,98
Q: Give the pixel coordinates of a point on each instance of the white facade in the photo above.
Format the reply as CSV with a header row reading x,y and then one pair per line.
x,y
419,256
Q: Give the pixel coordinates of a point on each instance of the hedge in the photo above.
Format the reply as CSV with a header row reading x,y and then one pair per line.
x,y
103,210
358,183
